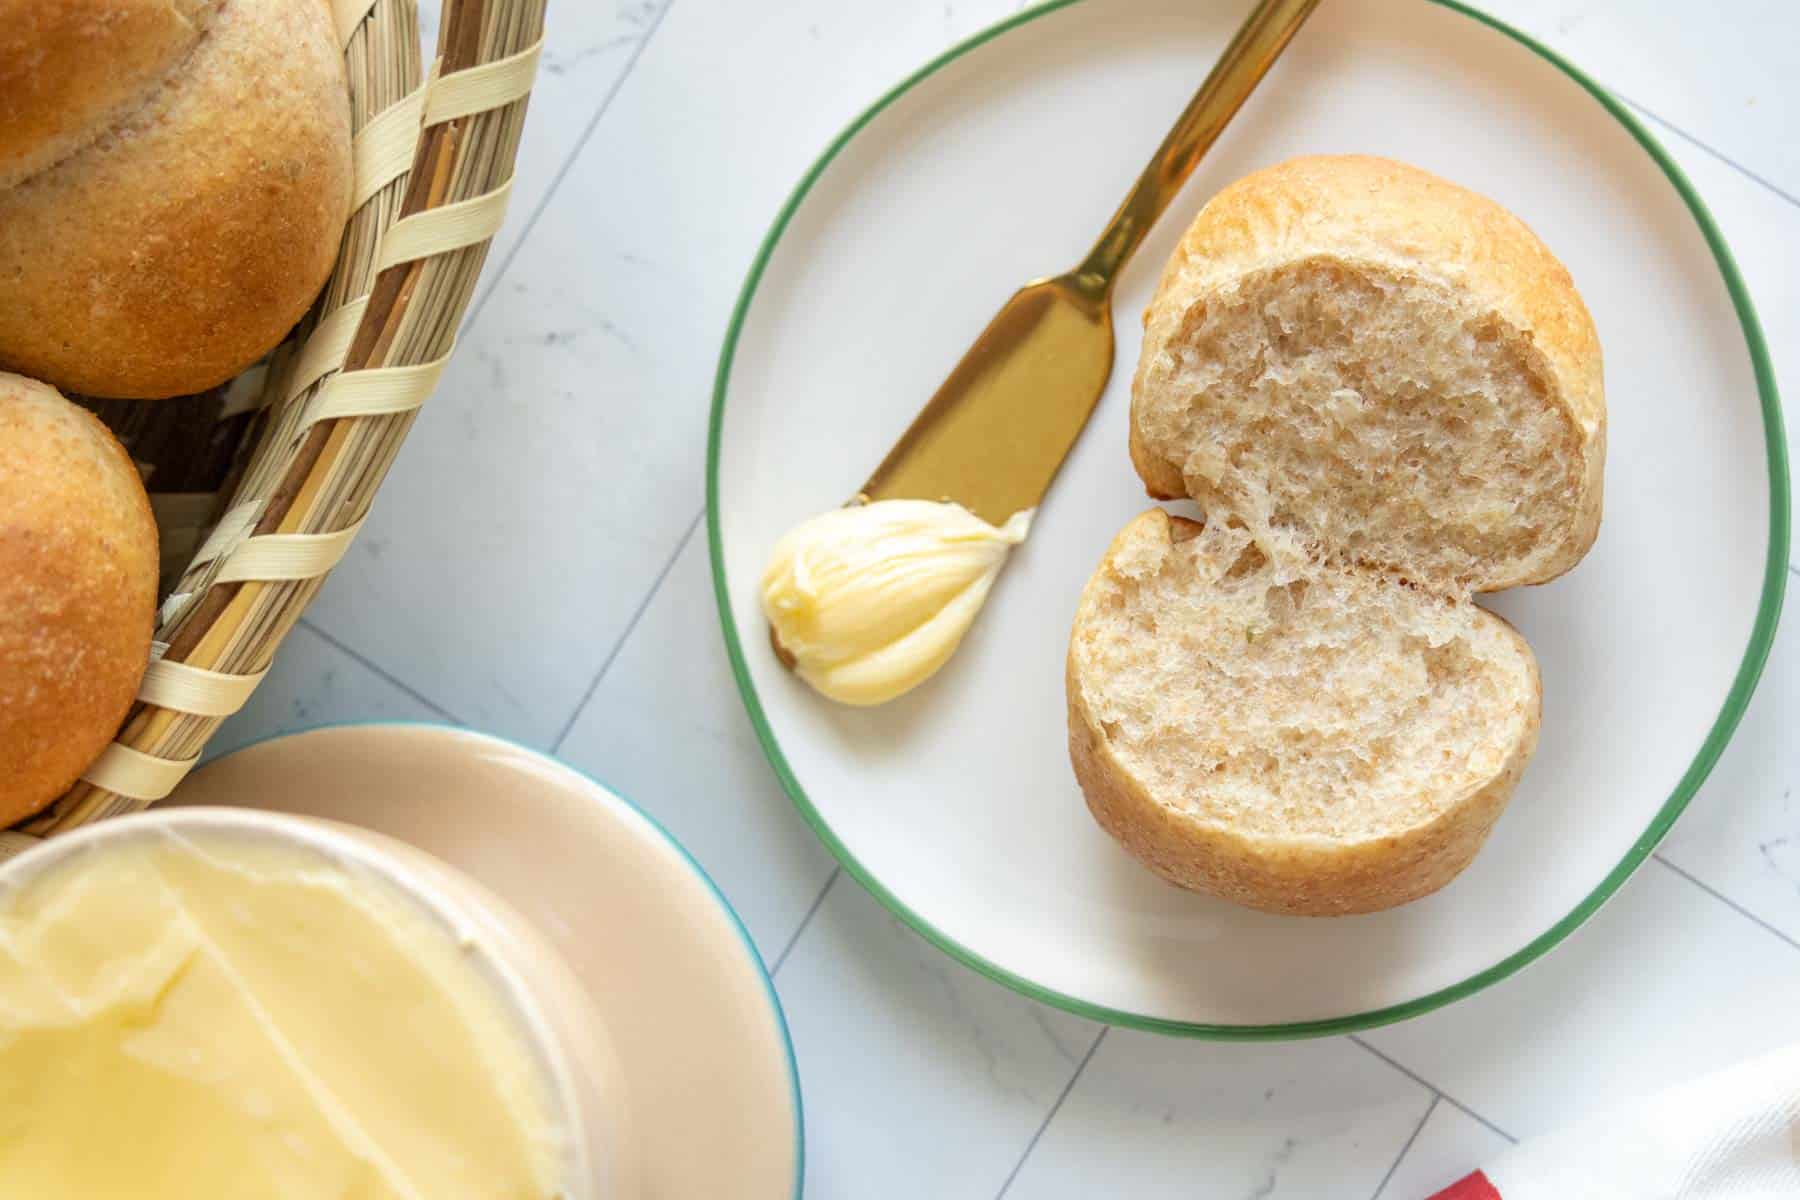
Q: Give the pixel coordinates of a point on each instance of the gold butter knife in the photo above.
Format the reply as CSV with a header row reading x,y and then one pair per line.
x,y
996,431
992,438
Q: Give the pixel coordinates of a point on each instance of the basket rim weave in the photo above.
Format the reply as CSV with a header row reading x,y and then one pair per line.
x,y
433,153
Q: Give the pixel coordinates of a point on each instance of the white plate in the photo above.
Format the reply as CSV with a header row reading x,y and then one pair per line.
x,y
956,805
709,1081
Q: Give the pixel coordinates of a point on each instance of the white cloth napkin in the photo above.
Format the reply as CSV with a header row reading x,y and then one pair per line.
x,y
1734,1134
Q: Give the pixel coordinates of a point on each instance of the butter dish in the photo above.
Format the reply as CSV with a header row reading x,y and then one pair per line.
x,y
307,1005
678,987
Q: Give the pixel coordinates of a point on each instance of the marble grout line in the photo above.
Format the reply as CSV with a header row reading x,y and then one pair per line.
x,y
812,910
1050,1116
568,162
1446,1097
375,668
1436,1098
1689,138
1727,901
631,625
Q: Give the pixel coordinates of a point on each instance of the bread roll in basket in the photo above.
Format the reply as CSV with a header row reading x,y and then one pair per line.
x,y
302,440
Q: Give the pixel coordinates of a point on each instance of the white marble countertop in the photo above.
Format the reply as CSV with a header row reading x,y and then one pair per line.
x,y
535,566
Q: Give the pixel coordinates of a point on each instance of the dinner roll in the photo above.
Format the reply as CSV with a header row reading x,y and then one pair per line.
x,y
1386,394
78,569
174,181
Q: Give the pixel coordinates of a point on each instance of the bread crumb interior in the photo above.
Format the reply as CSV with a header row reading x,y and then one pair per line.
x,y
1284,698
1366,413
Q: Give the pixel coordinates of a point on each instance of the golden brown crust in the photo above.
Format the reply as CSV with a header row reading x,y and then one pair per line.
x,y
1299,876
78,568
1162,478
179,246
1408,222
71,69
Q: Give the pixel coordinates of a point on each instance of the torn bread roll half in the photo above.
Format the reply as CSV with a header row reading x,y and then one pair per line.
x,y
1312,741
1357,356
1386,395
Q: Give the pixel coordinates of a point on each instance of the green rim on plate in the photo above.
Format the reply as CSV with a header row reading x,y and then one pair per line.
x,y
1762,634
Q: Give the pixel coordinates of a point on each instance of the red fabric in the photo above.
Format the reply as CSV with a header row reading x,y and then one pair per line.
x,y
1472,1187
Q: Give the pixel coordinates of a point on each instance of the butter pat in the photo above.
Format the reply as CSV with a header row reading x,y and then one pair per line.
x,y
872,599
187,1016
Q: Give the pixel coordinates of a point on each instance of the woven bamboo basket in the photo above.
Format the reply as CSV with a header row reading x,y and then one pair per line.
x,y
289,455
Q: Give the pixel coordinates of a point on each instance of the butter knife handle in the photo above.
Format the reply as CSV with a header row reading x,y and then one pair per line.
x,y
1255,47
